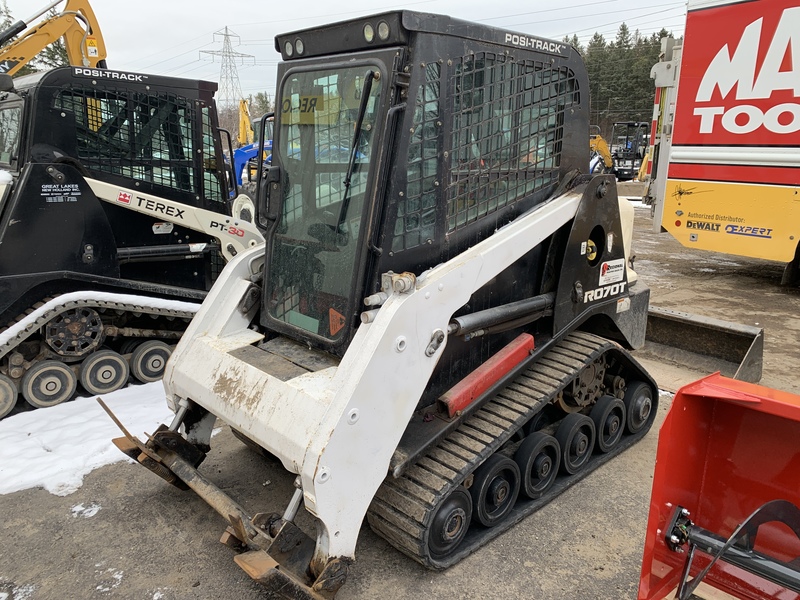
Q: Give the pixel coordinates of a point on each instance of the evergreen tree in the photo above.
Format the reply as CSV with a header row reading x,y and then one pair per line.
x,y
619,76
260,104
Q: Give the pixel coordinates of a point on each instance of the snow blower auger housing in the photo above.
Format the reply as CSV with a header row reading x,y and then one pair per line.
x,y
435,335
725,506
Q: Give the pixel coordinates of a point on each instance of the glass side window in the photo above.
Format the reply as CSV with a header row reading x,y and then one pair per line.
x,y
324,190
9,134
149,137
212,183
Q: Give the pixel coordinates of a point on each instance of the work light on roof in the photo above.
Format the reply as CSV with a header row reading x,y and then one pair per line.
x,y
383,31
288,48
299,46
369,33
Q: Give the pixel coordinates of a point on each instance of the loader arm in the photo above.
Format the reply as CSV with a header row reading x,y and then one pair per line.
x,y
234,235
329,426
76,23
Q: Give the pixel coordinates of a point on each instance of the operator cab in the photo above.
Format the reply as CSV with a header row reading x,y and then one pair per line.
x,y
475,137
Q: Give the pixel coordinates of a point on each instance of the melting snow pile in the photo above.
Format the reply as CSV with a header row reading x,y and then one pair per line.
x,y
55,447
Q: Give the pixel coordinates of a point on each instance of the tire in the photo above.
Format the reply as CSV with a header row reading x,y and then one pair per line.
x,y
609,416
575,436
538,459
48,383
494,490
104,372
8,395
149,360
638,401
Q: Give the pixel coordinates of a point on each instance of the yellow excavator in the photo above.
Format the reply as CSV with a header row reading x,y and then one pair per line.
x,y
598,148
76,23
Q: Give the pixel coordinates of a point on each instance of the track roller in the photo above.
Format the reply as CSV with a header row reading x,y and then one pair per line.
x,y
104,372
149,359
609,422
638,402
450,523
494,490
8,395
48,383
575,435
538,458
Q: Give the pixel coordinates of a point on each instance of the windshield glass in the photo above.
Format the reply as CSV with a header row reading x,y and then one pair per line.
x,y
9,133
315,250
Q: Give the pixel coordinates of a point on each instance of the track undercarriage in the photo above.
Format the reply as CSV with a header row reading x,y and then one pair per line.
x,y
97,339
517,452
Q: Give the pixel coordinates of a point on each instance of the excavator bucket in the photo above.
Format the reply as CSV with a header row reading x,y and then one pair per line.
x,y
724,507
704,344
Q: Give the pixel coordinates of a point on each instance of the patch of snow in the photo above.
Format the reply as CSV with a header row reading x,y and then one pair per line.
x,y
158,595
13,592
111,583
56,447
87,512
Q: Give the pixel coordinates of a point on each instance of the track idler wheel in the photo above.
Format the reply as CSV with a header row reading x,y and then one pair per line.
x,y
575,435
104,372
48,383
450,523
638,402
149,359
8,395
538,458
608,415
494,489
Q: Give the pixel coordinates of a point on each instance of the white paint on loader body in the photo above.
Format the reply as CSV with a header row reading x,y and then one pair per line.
x,y
308,422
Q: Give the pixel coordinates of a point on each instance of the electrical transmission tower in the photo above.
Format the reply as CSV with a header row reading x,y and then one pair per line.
x,y
230,91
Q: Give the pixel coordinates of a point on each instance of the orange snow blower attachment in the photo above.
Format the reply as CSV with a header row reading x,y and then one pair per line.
x,y
724,507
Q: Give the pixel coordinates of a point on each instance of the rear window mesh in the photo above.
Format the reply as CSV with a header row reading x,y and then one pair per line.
x,y
145,136
507,129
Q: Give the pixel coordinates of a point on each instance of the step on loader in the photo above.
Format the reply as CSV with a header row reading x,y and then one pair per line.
x,y
115,219
725,507
435,336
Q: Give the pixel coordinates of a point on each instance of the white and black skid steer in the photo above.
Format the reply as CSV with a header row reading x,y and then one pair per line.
x,y
434,336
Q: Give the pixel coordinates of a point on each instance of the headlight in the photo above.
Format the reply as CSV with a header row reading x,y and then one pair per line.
x,y
369,33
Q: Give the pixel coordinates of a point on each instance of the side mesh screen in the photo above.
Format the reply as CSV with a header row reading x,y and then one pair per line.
x,y
148,137
507,127
416,211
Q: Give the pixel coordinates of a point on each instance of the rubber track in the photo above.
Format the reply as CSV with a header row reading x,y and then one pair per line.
x,y
37,324
404,507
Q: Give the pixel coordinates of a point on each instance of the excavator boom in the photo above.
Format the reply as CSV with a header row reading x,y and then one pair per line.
x,y
76,24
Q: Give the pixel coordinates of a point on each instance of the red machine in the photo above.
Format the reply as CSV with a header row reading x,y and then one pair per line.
x,y
726,491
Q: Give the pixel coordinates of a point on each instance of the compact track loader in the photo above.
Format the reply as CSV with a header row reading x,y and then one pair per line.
x,y
435,335
114,222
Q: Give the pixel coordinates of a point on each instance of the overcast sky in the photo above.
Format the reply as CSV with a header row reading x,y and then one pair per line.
x,y
167,37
